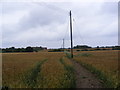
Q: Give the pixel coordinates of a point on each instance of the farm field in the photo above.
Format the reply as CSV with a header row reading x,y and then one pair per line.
x,y
104,63
38,70
54,69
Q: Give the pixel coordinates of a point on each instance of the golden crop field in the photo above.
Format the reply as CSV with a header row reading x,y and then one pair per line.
x,y
15,64
54,69
20,68
104,61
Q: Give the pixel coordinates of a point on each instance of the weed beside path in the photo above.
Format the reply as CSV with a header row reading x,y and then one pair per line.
x,y
70,75
30,77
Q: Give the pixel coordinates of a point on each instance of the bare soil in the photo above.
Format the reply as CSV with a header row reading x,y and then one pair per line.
x,y
84,78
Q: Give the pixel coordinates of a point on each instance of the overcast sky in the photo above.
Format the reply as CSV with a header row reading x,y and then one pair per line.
x,y
47,23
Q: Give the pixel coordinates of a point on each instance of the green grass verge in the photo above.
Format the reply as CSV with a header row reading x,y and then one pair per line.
x,y
69,75
68,55
30,77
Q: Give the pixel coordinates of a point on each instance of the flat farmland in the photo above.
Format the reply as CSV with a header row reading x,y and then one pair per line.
x,y
104,63
56,70
25,70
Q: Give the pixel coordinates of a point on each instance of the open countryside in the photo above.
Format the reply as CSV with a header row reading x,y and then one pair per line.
x,y
59,44
54,69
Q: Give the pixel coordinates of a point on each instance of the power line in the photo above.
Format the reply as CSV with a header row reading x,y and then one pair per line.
x,y
53,7
78,32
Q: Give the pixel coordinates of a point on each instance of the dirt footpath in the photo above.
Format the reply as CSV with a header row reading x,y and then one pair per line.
x,y
84,78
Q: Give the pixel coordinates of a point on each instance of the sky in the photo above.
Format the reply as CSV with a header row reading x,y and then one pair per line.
x,y
47,23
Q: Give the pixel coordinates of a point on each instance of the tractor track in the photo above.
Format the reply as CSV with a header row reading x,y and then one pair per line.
x,y
84,78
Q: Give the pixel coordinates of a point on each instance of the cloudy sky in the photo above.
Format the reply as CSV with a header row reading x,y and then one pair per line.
x,y
47,23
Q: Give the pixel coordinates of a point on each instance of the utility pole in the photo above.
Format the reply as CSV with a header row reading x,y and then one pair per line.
x,y
71,35
63,44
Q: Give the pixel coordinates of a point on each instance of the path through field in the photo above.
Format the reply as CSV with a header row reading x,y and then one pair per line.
x,y
84,78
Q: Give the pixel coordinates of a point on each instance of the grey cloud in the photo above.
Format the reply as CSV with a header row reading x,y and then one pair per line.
x,y
46,24
10,7
42,16
110,7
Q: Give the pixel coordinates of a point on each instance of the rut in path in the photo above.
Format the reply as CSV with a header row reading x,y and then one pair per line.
x,y
84,78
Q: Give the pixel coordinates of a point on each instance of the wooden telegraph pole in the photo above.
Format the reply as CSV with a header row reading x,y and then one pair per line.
x,y
71,35
63,44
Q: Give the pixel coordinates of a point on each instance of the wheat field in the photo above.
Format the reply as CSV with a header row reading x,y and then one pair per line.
x,y
17,67
54,69
104,61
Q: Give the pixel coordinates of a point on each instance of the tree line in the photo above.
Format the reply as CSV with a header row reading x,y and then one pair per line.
x,y
36,49
98,47
27,49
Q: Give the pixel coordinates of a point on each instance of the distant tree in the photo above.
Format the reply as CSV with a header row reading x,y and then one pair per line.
x,y
29,49
23,50
81,47
98,47
102,47
55,50
12,49
116,48
18,50
8,50
108,46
